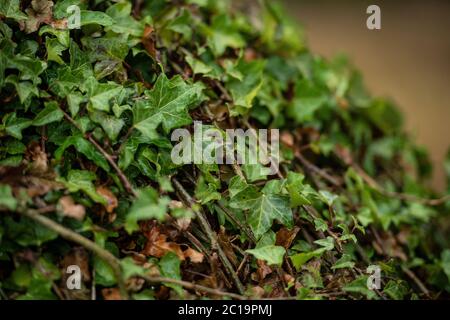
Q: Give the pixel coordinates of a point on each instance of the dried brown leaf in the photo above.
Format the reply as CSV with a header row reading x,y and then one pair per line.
x,y
111,200
193,255
183,223
36,160
148,41
111,294
70,209
157,245
225,243
39,12
263,269
285,236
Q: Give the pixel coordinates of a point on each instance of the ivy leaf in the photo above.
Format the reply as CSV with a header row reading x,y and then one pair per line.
x,y
148,205
26,232
85,147
51,113
299,259
54,50
11,9
74,100
396,289
244,90
110,124
295,187
327,244
170,268
327,197
181,24
131,269
309,99
272,254
344,262
25,89
104,274
206,192
63,36
445,262
6,198
255,172
95,17
122,20
81,180
14,126
167,104
266,209
243,196
100,94
359,285
223,33
198,66
129,149
41,281
60,8
320,224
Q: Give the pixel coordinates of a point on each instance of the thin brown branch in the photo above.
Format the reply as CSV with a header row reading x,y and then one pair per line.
x,y
122,177
321,173
210,233
85,242
399,195
418,282
241,226
193,286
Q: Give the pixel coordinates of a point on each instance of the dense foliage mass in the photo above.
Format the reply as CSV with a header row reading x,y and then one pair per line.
x,y
86,176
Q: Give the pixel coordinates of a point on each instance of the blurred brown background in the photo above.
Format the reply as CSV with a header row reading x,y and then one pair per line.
x,y
407,60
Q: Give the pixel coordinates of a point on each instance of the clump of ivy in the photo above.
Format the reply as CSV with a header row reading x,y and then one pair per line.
x,y
86,176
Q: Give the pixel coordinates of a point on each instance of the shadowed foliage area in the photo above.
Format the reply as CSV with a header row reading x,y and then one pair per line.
x,y
87,178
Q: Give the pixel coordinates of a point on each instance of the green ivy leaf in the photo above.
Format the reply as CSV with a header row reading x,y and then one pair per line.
x,y
81,180
104,274
223,33
54,50
51,113
244,90
123,22
359,285
11,9
309,99
14,125
396,289
100,94
298,192
273,255
445,262
110,124
167,104
327,197
131,269
6,198
148,205
85,147
26,232
206,192
266,209
95,17
299,259
344,262
170,267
